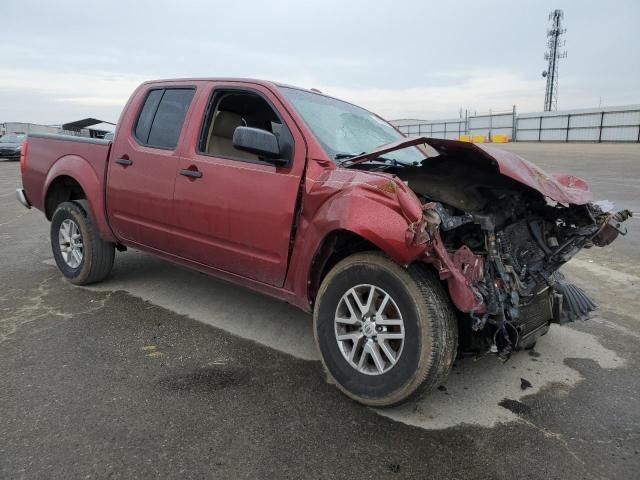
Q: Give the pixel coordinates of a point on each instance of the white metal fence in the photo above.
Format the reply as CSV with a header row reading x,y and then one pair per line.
x,y
606,124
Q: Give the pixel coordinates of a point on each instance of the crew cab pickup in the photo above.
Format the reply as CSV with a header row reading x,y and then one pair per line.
x,y
408,251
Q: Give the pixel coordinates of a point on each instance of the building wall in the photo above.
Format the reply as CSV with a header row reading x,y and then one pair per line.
x,y
19,127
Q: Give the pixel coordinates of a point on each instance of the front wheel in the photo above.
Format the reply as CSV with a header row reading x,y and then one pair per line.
x,y
385,333
81,255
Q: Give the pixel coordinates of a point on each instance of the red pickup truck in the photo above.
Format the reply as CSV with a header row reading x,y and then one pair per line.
x,y
408,251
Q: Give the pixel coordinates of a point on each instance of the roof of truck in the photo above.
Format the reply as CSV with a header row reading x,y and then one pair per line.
x,y
255,81
266,83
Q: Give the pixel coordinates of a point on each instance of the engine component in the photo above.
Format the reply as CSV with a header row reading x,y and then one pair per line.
x,y
611,228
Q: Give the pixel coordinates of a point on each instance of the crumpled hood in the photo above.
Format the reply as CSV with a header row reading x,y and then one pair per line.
x,y
562,188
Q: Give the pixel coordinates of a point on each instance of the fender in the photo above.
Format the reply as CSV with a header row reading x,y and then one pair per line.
x,y
378,208
82,171
371,219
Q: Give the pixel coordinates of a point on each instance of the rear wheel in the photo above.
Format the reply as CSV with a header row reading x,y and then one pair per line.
x,y
385,333
81,255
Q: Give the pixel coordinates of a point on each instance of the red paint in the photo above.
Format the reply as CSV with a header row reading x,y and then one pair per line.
x,y
49,159
23,156
238,216
140,196
461,292
236,221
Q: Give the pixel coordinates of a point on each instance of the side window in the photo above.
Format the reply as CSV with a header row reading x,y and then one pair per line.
x,y
232,109
161,117
146,115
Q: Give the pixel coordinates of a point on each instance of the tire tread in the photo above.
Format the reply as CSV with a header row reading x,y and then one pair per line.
x,y
99,254
434,307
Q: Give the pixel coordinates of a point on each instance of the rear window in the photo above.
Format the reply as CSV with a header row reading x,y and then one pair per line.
x,y
161,117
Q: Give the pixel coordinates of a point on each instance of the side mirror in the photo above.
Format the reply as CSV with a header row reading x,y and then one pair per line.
x,y
259,142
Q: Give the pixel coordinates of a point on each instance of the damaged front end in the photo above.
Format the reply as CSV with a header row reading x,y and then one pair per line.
x,y
498,230
509,257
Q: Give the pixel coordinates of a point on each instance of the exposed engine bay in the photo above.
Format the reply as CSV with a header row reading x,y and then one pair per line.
x,y
504,241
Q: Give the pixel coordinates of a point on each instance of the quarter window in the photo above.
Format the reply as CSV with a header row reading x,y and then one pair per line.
x,y
161,117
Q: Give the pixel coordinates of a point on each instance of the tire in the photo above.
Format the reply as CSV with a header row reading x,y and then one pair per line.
x,y
428,351
96,255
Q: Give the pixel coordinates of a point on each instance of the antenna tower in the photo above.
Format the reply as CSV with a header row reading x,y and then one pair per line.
x,y
553,55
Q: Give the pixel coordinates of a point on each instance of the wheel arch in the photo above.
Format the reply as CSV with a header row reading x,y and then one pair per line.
x,y
367,221
335,246
63,188
73,178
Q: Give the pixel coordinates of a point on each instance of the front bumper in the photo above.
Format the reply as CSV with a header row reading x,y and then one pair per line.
x,y
22,198
12,154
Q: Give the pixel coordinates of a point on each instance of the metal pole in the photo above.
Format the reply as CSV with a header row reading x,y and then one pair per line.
x,y
540,129
601,122
568,123
466,122
490,123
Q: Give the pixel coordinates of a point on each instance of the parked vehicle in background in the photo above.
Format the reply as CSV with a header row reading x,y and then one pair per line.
x,y
405,254
11,145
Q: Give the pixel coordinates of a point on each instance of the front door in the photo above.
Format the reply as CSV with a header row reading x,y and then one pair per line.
x,y
142,172
236,212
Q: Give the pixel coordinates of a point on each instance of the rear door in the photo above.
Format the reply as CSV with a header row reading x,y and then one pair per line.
x,y
144,159
237,214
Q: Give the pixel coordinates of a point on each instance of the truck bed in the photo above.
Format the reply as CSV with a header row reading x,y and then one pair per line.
x,y
44,150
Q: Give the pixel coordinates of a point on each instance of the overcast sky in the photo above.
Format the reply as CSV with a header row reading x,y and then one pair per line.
x,y
64,60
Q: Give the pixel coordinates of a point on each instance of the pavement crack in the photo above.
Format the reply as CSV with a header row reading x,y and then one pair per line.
x,y
36,308
559,438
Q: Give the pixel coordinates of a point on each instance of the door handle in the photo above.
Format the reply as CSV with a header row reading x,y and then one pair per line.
x,y
191,173
124,161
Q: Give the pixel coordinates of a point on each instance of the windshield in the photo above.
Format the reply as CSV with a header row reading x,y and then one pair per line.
x,y
11,138
346,130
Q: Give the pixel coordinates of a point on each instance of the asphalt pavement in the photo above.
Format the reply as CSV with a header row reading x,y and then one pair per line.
x,y
161,372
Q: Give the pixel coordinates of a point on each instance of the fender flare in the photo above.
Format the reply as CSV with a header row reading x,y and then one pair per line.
x,y
80,170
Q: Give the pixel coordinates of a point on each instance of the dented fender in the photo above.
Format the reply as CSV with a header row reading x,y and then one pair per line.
x,y
378,207
383,210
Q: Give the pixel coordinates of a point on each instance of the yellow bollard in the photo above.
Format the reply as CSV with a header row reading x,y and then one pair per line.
x,y
499,138
464,138
478,139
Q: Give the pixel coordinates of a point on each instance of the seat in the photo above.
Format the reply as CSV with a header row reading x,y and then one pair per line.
x,y
221,136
